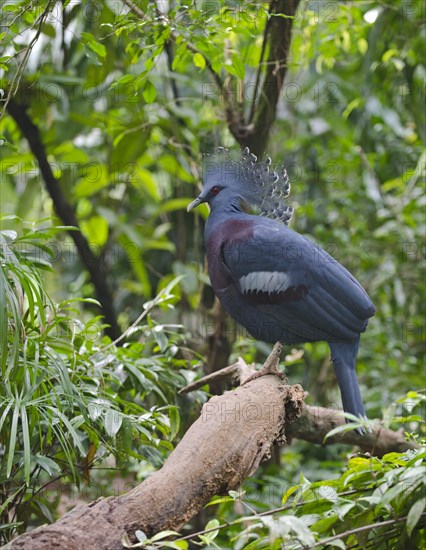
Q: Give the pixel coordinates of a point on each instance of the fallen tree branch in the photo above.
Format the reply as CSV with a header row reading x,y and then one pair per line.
x,y
314,423
234,433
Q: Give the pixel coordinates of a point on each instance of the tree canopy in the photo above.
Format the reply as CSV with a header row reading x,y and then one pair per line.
x,y
106,309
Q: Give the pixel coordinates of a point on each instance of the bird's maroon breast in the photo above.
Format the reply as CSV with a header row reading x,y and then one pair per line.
x,y
233,233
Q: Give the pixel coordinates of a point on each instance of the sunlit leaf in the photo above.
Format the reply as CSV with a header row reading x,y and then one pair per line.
x,y
149,92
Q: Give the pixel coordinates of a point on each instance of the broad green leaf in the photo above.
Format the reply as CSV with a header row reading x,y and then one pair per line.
x,y
96,231
94,177
112,421
323,525
146,182
174,417
362,45
51,467
140,535
414,515
219,500
93,44
199,60
48,30
124,438
149,92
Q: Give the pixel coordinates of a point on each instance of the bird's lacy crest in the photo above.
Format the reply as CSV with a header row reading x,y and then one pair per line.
x,y
260,186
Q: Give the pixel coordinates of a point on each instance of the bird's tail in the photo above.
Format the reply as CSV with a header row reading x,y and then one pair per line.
x,y
343,355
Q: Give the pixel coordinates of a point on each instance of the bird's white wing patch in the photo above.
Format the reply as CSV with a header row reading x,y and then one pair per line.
x,y
264,281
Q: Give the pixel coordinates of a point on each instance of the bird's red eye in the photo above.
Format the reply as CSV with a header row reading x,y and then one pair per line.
x,y
215,190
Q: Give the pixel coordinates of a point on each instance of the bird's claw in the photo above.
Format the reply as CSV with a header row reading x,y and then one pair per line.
x,y
270,366
264,372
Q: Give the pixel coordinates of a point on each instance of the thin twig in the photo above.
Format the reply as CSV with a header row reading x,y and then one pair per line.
x,y
264,514
361,529
14,85
259,70
239,368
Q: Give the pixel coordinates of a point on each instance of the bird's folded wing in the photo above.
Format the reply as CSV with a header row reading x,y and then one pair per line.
x,y
285,274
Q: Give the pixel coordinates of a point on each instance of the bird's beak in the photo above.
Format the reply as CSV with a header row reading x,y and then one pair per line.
x,y
194,204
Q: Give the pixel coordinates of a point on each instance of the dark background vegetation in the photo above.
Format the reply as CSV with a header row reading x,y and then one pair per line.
x,y
107,109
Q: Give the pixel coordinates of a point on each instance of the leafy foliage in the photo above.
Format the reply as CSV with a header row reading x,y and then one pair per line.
x,y
68,399
125,103
374,503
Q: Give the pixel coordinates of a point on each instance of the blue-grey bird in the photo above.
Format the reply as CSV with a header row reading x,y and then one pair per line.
x,y
273,281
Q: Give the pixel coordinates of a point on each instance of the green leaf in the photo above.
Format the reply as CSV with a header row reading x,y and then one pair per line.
x,y
323,525
27,446
75,437
288,493
347,427
123,80
389,54
219,500
140,535
124,438
163,534
112,421
177,545
146,182
414,515
12,441
93,44
96,231
48,30
199,60
149,92
4,505
3,321
94,177
337,543
362,45
174,204
235,67
174,422
208,538
48,465
238,66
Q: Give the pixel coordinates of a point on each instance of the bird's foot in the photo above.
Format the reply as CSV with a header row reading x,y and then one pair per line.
x,y
270,366
362,430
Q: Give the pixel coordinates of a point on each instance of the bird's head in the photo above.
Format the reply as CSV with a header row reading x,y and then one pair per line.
x,y
221,185
229,183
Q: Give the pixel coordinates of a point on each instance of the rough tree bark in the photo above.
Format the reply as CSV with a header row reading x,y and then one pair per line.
x,y
277,40
225,445
234,433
